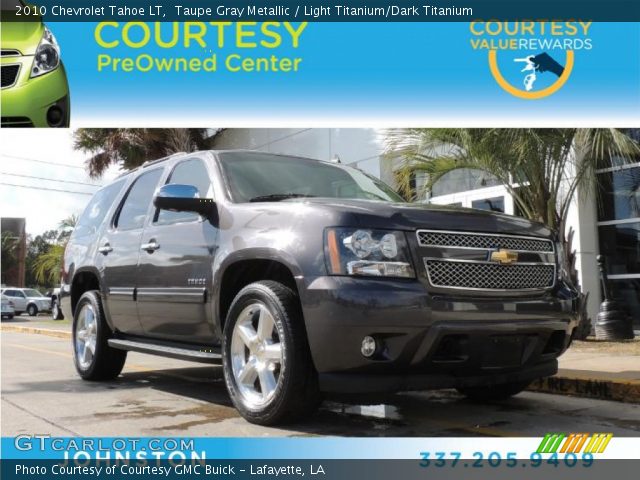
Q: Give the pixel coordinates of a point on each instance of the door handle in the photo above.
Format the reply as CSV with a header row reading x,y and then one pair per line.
x,y
150,247
105,249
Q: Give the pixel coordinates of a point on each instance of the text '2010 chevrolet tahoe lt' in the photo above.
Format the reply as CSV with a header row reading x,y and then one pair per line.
x,y
304,277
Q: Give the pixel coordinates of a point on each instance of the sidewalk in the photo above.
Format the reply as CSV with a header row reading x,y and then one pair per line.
x,y
591,369
42,324
594,369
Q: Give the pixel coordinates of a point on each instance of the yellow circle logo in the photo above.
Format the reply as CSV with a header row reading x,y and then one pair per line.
x,y
528,95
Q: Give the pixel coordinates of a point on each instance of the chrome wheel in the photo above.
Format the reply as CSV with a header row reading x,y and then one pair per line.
x,y
256,355
86,335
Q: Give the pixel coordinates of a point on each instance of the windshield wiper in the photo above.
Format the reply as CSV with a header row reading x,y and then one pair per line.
x,y
276,197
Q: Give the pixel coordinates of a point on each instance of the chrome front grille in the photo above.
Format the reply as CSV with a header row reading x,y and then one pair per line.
x,y
489,276
483,241
488,262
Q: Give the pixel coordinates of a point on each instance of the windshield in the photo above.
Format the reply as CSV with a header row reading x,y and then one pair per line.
x,y
30,292
265,177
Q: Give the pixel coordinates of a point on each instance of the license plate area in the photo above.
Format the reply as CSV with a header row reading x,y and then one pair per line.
x,y
503,351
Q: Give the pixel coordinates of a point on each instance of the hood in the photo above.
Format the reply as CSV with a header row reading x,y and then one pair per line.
x,y
411,216
22,36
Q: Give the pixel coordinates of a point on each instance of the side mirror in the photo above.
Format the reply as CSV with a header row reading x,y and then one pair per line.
x,y
183,198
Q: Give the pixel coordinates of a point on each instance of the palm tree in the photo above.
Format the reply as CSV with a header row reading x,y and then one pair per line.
x,y
549,163
48,265
8,256
540,168
131,147
66,227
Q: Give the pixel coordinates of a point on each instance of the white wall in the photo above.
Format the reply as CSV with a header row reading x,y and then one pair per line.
x,y
361,148
583,217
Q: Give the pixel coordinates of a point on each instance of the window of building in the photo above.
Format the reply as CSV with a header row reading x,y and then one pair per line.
x,y
619,194
619,233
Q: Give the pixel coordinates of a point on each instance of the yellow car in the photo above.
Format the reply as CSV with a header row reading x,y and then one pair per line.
x,y
35,92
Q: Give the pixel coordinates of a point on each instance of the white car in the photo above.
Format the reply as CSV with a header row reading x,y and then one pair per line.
x,y
7,308
27,300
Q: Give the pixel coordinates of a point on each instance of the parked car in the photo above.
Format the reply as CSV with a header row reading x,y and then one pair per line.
x,y
304,277
7,307
35,91
27,300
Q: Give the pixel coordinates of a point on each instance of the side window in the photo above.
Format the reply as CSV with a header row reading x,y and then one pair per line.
x,y
190,172
136,204
9,293
19,294
93,215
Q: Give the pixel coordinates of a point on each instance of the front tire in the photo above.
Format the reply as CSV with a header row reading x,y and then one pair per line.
x,y
93,357
494,392
266,360
32,310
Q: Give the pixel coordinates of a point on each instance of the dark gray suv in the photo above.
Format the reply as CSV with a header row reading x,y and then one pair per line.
x,y
304,277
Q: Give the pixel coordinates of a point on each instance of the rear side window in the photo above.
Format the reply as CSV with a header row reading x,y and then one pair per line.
x,y
93,215
190,172
136,204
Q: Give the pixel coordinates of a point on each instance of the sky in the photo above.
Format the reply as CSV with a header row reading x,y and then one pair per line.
x,y
47,154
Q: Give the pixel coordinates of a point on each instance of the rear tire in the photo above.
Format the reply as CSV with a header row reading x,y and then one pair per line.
x,y
267,364
493,392
32,310
93,357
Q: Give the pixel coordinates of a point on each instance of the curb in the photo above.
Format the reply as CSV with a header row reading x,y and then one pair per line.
x,y
36,330
600,388
575,385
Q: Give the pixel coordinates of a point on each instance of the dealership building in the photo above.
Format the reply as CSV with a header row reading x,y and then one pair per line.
x,y
606,223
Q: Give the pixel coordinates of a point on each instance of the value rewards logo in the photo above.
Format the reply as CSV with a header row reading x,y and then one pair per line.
x,y
531,60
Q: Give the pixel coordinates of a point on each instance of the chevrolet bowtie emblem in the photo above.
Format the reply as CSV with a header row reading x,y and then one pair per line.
x,y
505,257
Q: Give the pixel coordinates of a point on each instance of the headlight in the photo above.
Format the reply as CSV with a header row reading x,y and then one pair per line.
x,y
47,57
378,253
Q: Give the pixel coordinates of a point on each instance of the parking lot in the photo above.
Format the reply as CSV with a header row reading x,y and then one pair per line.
x,y
41,393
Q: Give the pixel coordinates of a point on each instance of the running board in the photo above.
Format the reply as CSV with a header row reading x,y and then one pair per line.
x,y
193,355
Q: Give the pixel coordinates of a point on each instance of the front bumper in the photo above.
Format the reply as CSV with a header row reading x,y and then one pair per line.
x,y
28,101
430,341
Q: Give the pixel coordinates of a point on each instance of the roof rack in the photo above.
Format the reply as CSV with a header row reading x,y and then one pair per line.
x,y
149,163
153,162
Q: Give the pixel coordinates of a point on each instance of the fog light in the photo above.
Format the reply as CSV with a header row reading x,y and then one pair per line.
x,y
55,116
369,346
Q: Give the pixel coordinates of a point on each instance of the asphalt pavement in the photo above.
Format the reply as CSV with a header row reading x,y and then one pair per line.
x,y
41,393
